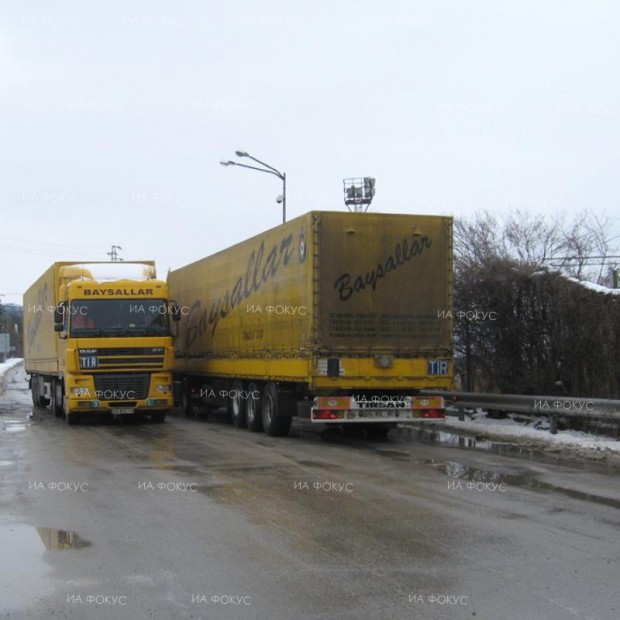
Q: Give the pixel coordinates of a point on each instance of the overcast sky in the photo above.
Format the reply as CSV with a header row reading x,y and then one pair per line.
x,y
114,116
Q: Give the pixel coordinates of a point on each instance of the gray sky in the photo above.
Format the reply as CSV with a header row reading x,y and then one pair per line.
x,y
114,116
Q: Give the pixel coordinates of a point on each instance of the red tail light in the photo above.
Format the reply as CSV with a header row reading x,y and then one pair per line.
x,y
324,414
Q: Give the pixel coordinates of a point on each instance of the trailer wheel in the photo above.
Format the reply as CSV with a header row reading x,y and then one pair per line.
x,y
253,416
57,399
38,400
33,392
274,422
236,409
187,405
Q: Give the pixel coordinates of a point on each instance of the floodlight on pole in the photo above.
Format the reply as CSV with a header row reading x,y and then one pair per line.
x,y
358,192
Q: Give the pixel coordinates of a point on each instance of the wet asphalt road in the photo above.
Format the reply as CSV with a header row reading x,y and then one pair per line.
x,y
195,519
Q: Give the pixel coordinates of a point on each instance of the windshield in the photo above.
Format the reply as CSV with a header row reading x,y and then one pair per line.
x,y
118,317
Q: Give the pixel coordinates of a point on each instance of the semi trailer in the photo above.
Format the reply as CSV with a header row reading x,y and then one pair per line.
x,y
99,344
341,318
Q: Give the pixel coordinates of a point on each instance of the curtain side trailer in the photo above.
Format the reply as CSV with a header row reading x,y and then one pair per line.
x,y
339,317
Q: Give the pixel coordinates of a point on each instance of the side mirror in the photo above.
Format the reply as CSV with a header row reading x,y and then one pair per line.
x,y
176,311
58,327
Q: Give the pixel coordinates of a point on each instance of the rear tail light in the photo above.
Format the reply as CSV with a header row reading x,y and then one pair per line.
x,y
326,414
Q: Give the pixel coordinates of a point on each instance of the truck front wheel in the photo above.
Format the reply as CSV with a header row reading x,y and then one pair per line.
x,y
57,396
275,423
253,410
72,418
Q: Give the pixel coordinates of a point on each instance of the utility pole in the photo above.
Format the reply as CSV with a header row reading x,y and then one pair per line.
x,y
113,253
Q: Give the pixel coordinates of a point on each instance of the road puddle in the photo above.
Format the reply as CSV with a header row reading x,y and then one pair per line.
x,y
456,440
61,540
14,426
49,539
25,570
478,476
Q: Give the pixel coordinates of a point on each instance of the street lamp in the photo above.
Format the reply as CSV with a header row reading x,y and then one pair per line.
x,y
267,168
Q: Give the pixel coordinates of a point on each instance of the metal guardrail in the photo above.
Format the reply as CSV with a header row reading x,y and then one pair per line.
x,y
551,406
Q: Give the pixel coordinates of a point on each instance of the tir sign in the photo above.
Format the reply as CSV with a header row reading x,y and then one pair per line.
x,y
90,361
438,367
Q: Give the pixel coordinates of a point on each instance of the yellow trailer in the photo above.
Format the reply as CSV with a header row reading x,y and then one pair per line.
x,y
99,345
342,317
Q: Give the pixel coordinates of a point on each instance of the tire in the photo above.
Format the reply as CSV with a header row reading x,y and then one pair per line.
x,y
236,407
274,422
73,418
33,391
44,402
158,416
38,400
187,406
56,405
253,417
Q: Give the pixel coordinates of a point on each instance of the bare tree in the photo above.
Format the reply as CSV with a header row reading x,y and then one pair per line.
x,y
521,326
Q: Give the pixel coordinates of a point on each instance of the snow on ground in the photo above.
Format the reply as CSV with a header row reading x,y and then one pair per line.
x,y
535,434
5,367
13,361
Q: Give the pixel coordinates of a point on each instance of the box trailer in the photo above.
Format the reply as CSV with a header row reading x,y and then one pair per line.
x,y
339,317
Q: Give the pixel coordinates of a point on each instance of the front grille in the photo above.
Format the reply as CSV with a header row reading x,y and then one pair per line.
x,y
118,362
125,386
131,351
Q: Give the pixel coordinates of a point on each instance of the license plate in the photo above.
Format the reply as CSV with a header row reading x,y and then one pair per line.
x,y
125,411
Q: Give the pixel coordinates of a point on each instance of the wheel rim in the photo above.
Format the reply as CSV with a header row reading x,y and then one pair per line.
x,y
268,410
251,411
236,406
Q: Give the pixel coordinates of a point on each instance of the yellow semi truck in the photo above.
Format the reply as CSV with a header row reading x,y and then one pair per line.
x,y
100,343
339,317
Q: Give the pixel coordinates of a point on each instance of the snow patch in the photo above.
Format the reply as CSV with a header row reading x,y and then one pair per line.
x,y
536,434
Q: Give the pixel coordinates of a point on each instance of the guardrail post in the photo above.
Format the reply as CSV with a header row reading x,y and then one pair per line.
x,y
553,423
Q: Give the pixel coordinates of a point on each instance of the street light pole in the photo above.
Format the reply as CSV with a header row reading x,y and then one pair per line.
x,y
268,169
283,197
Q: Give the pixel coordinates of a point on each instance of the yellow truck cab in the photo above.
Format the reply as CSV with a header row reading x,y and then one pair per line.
x,y
99,344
